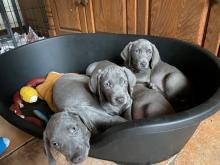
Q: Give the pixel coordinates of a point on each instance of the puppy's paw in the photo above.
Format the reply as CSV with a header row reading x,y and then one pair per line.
x,y
152,86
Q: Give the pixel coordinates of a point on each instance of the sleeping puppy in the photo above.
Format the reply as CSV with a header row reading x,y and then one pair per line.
x,y
148,103
112,84
142,57
79,117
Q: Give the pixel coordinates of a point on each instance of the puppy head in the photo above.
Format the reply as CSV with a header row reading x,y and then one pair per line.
x,y
140,55
113,85
66,133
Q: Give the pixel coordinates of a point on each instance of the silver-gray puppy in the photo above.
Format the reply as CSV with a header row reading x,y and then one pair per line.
x,y
142,57
79,117
112,84
148,103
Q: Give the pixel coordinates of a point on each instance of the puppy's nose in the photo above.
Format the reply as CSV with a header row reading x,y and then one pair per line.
x,y
77,158
143,64
120,99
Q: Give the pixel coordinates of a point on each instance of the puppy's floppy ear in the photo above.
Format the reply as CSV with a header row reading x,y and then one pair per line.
x,y
125,53
51,160
155,57
85,118
91,68
94,84
131,79
94,80
100,94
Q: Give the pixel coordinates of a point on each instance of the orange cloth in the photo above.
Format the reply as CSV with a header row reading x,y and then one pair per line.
x,y
45,90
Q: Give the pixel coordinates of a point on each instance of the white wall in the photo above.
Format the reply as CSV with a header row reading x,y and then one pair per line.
x,y
10,14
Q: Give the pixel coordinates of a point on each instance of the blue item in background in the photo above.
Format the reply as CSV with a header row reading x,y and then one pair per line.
x,y
4,143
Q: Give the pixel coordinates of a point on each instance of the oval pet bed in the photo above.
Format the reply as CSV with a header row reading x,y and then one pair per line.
x,y
133,142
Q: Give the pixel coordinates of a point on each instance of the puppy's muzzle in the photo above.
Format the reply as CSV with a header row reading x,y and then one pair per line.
x,y
143,65
120,99
77,158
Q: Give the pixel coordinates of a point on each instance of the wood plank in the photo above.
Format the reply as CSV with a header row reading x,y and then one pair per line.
x,y
90,17
142,16
219,48
110,16
68,17
51,24
182,19
82,18
131,16
212,40
17,137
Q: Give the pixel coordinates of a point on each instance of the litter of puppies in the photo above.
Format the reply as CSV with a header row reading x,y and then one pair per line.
x,y
109,94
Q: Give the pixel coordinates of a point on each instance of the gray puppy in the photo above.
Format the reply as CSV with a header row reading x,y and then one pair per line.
x,y
80,116
142,57
148,103
112,84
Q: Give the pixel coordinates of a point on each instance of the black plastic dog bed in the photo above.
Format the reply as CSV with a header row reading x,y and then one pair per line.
x,y
137,142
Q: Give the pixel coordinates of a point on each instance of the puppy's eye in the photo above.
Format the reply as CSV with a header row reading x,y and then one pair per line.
x,y
107,84
148,51
55,144
73,130
137,50
123,81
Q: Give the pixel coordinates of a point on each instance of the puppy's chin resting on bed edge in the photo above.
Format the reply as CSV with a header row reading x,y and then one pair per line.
x,y
69,132
66,133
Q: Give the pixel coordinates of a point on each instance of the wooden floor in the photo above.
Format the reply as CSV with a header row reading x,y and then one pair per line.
x,y
202,149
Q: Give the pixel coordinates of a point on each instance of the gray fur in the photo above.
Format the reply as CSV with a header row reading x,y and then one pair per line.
x,y
79,117
148,103
112,84
142,57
